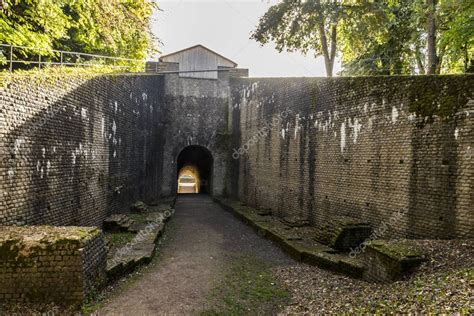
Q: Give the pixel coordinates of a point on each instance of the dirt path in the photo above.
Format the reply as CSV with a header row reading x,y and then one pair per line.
x,y
203,240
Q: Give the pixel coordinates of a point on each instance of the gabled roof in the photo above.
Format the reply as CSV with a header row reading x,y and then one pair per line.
x,y
196,46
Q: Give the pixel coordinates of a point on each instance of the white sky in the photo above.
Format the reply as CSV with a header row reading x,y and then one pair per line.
x,y
225,27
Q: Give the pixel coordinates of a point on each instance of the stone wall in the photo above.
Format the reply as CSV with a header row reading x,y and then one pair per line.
x,y
50,264
394,150
75,148
380,150
78,147
196,114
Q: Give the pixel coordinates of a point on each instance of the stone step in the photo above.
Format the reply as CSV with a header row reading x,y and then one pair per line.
x,y
389,261
343,233
295,221
381,262
139,207
117,223
141,249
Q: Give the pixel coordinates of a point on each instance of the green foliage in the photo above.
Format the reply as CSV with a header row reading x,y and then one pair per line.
x,y
116,27
380,43
293,25
383,37
457,35
396,43
111,27
32,23
309,26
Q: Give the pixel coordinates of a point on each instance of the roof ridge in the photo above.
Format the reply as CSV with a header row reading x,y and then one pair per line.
x,y
195,46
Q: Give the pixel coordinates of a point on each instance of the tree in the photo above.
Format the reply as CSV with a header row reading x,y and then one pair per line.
x,y
432,63
113,27
423,36
455,36
380,43
308,26
32,23
385,37
445,31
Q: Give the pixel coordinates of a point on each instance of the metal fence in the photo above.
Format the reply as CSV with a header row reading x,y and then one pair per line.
x,y
23,57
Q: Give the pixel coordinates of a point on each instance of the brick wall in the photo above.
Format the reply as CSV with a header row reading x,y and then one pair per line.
x,y
50,264
75,148
367,148
196,114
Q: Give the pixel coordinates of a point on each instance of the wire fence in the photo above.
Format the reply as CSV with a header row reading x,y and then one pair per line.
x,y
13,57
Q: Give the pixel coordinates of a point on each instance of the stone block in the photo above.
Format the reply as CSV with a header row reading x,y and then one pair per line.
x,y
388,261
39,271
139,207
343,233
118,223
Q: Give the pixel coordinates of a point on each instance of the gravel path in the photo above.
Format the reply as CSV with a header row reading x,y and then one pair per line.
x,y
203,239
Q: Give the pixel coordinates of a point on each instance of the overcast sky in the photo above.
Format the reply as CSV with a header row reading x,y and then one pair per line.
x,y
225,26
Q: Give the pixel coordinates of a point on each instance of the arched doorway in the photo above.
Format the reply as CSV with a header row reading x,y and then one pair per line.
x,y
194,170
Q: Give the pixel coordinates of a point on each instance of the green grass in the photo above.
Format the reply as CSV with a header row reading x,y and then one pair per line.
x,y
248,287
138,218
92,302
119,239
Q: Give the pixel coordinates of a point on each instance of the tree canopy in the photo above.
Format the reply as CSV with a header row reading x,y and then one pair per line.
x,y
375,37
111,27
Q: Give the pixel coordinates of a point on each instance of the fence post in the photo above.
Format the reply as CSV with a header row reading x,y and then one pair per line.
x,y
39,61
11,58
61,59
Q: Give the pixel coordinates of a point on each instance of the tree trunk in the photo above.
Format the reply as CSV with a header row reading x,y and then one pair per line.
x,y
325,49
329,56
442,52
419,61
432,63
332,55
466,58
385,65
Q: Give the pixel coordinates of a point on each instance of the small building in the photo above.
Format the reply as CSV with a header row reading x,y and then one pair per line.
x,y
198,62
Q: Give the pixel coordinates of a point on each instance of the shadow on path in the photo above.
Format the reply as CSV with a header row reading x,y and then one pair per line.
x,y
203,240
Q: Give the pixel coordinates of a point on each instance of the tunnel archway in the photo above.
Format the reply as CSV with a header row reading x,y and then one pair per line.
x,y
194,170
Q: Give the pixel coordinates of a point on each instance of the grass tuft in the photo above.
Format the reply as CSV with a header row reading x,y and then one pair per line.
x,y
248,287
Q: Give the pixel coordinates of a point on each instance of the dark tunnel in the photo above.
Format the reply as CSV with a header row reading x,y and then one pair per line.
x,y
194,170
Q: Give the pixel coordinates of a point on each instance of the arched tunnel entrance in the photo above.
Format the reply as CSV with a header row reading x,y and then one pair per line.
x,y
194,170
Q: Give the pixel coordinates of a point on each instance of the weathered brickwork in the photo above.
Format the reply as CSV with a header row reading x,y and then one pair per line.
x,y
196,114
76,148
380,150
368,148
50,264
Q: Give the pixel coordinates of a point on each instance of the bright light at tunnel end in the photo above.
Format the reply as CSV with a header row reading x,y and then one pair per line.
x,y
189,180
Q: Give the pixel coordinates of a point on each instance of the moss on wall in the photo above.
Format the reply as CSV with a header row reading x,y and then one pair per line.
x,y
50,264
429,97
